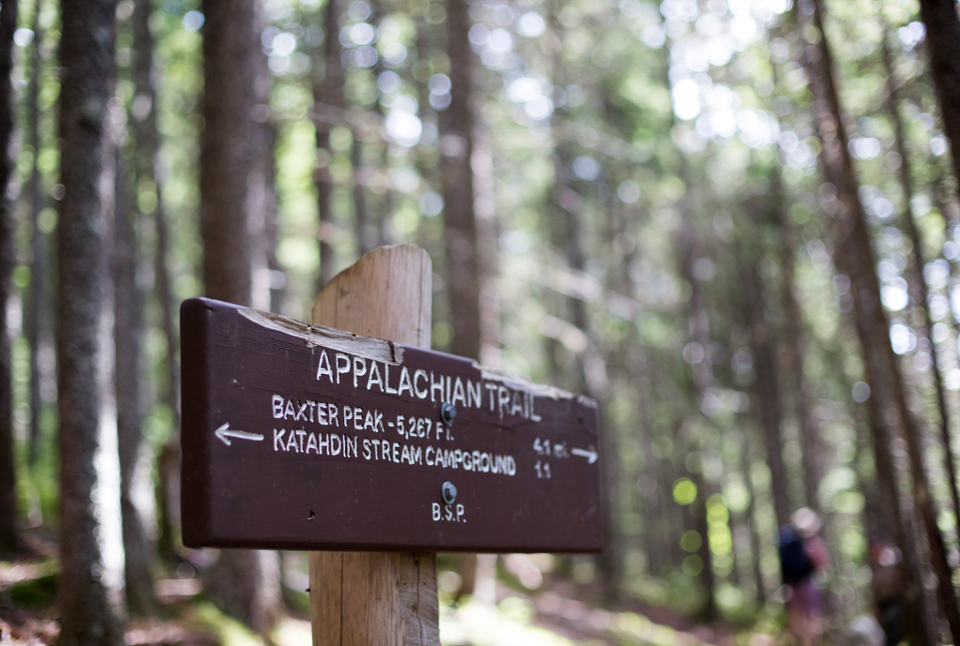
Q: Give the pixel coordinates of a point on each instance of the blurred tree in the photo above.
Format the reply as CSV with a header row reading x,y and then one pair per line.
x,y
233,193
36,315
144,111
460,231
701,382
128,341
459,215
763,341
328,107
943,36
793,343
91,552
855,257
9,535
919,291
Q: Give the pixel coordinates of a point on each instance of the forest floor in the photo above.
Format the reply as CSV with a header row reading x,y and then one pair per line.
x,y
562,614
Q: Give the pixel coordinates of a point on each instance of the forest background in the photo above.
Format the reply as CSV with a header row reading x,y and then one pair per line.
x,y
732,223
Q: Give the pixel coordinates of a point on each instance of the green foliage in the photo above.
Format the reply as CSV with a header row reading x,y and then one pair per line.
x,y
35,593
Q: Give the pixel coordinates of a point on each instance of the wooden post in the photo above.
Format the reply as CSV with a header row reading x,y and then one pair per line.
x,y
377,598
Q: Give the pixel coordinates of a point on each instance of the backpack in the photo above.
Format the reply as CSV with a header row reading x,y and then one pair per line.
x,y
795,564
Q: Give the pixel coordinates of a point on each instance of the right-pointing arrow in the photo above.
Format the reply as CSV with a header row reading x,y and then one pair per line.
x,y
590,455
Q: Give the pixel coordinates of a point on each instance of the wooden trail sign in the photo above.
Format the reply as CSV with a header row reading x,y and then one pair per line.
x,y
305,437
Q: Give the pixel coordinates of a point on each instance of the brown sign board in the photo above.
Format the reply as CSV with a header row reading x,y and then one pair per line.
x,y
308,438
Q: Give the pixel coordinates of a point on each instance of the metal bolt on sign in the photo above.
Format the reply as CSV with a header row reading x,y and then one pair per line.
x,y
449,492
448,413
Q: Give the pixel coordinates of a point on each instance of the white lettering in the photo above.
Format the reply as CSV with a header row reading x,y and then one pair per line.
x,y
503,398
389,390
405,383
473,395
277,407
332,413
321,370
342,368
435,387
359,369
516,407
421,394
458,392
374,377
492,388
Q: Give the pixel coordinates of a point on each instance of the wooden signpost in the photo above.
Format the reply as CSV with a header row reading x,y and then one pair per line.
x,y
307,437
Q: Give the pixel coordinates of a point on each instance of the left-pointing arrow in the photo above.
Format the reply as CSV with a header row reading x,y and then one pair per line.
x,y
225,434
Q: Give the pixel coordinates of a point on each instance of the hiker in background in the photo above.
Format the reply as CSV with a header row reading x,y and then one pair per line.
x,y
889,586
802,554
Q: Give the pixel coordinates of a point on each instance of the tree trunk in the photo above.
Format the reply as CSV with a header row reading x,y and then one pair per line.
x,y
918,284
128,339
943,43
854,255
328,101
465,265
766,387
459,215
232,173
751,516
811,460
482,163
700,382
271,218
36,305
233,193
366,232
9,535
148,171
91,551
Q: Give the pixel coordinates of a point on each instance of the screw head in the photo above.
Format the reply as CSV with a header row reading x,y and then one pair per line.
x,y
448,413
449,492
